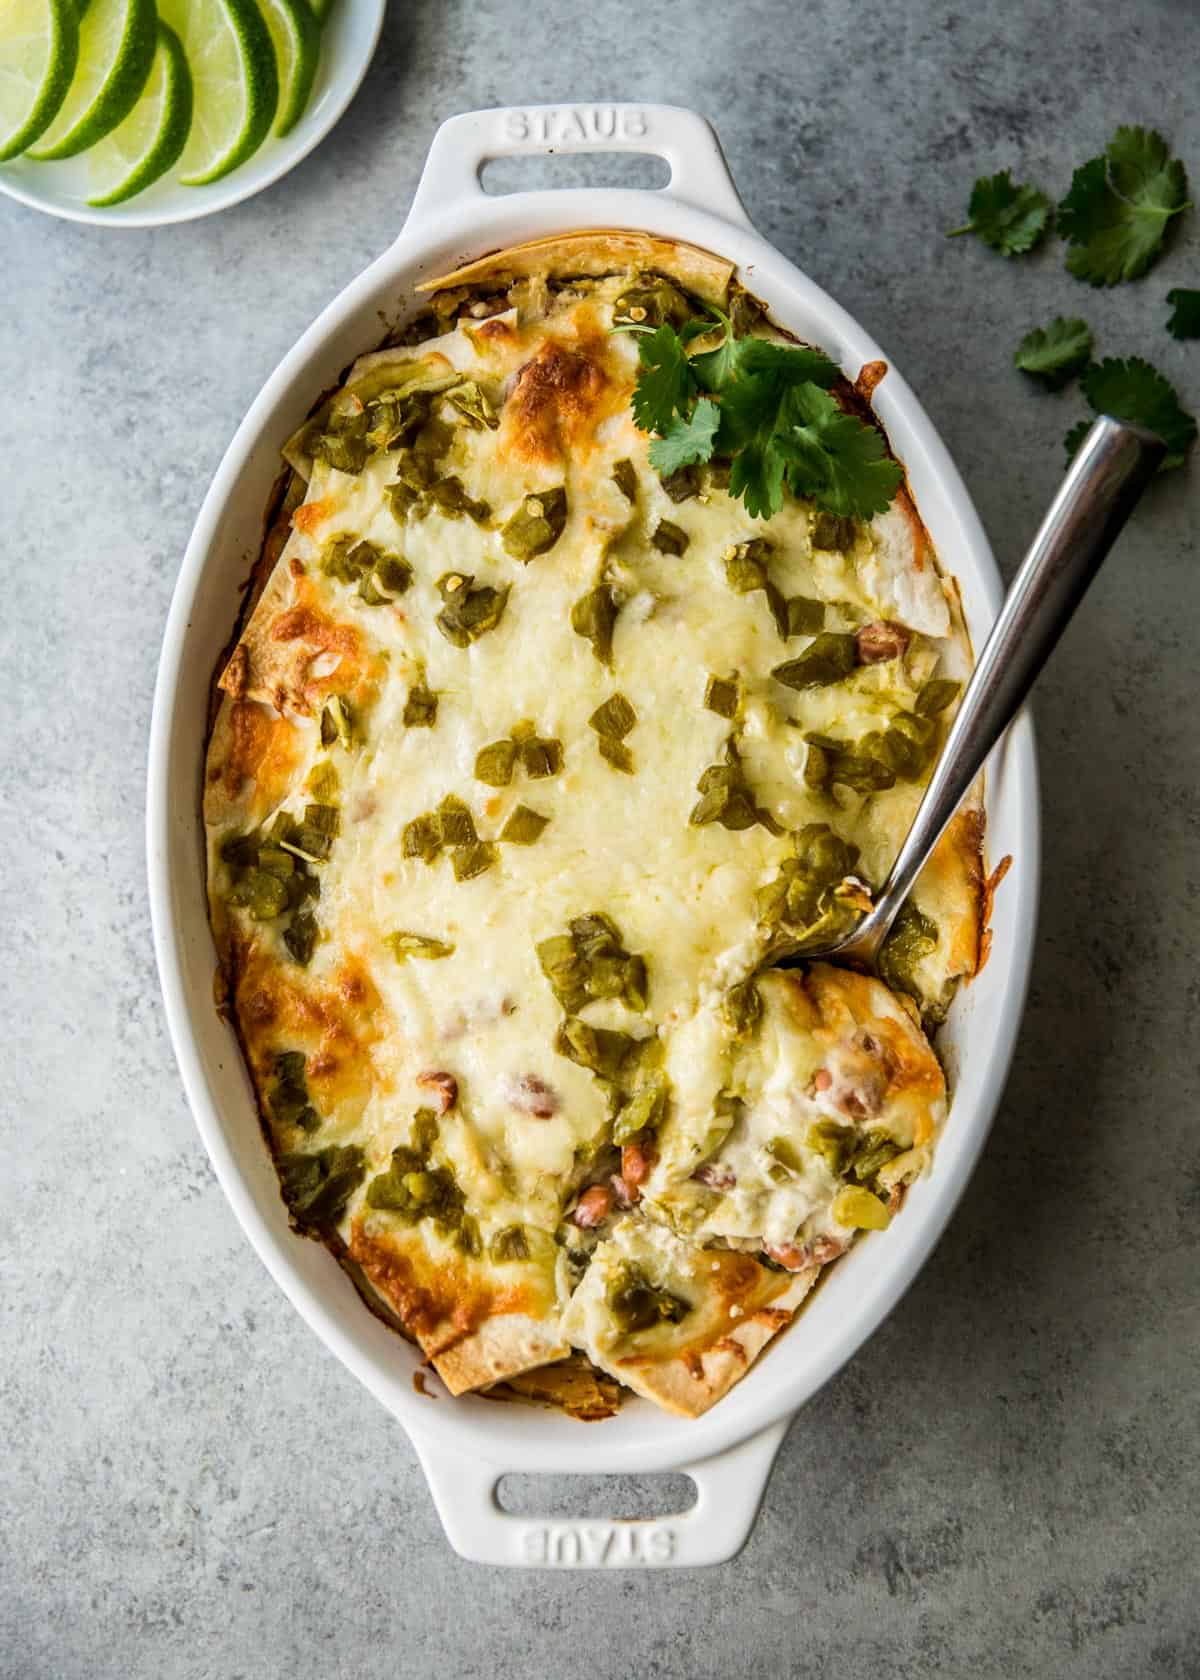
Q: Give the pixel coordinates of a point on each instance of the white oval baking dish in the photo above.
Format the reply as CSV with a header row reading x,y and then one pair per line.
x,y
468,1444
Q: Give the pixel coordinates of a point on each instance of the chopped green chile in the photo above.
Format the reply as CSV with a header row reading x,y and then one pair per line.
x,y
936,695
617,754
650,302
601,1051
682,484
721,695
831,531
324,783
591,962
644,1111
805,616
340,440
392,575
468,612
494,764
300,937
872,1153
801,893
424,1130
523,827
624,475
467,1238
472,860
317,1186
422,837
537,524
832,1142
262,894
669,538
420,707
616,717
416,1190
338,723
509,1244
474,405
288,1096
456,822
717,473
449,496
636,1304
742,1008
594,617
914,936
726,798
541,757
784,1151
829,658
404,945
746,565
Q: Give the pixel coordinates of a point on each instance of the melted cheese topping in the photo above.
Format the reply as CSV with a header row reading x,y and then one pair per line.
x,y
373,1027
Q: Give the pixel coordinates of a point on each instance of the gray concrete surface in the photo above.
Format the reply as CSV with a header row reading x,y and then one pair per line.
x,y
1005,1481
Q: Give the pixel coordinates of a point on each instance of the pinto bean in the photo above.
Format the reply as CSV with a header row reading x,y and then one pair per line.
x,y
793,1257
636,1162
530,1095
444,1088
715,1176
593,1206
880,642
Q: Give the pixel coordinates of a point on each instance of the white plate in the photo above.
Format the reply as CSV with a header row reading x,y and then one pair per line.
x,y
62,189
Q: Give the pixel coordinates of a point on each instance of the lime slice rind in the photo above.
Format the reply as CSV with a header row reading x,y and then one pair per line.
x,y
49,84
152,137
236,84
117,39
296,37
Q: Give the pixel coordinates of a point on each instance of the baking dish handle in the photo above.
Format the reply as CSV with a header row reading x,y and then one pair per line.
x,y
684,139
729,1491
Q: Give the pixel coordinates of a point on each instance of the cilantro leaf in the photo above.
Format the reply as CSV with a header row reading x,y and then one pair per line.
x,y
1116,214
832,457
665,385
1074,438
1009,218
686,443
768,409
1055,354
1132,390
1185,322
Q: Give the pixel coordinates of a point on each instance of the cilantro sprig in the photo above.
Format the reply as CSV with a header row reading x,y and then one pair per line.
x,y
1053,355
1130,389
1116,215
1185,321
1009,218
767,408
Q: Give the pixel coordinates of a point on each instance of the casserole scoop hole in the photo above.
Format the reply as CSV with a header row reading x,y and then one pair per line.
x,y
560,170
594,1498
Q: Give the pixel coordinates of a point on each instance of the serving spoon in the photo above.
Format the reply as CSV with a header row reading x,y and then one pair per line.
x,y
1101,489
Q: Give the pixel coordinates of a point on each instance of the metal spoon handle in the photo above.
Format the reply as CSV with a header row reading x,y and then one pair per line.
x,y
1105,480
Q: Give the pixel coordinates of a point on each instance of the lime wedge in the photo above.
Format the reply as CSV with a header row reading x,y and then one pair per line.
x,y
236,85
154,133
116,49
322,8
296,36
39,46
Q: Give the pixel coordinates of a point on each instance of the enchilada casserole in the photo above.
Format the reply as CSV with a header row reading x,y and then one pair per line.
x,y
528,768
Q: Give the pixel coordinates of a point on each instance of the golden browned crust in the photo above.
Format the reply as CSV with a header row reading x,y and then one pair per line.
x,y
475,1329
688,1380
597,252
572,1385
